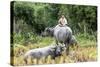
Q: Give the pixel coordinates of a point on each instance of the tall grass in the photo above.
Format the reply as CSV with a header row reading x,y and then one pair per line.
x,y
87,50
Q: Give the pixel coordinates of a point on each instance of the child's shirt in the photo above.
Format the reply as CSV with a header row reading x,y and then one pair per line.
x,y
62,21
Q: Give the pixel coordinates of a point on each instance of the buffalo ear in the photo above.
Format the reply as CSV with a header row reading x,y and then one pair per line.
x,y
46,29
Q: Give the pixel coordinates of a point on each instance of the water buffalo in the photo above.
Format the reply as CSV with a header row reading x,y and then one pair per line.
x,y
38,53
62,35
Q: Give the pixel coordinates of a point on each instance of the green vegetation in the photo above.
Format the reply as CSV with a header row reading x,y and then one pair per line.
x,y
31,19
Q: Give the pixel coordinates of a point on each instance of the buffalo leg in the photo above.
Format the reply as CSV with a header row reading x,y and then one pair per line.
x,y
25,60
67,50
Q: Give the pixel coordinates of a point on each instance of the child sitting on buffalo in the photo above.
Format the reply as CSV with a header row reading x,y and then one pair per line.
x,y
62,21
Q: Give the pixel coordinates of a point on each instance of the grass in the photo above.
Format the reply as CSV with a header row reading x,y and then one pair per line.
x,y
86,52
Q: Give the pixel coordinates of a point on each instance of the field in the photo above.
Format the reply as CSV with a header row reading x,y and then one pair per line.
x,y
87,51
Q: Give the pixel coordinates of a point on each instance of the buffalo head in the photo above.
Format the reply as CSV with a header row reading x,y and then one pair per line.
x,y
47,32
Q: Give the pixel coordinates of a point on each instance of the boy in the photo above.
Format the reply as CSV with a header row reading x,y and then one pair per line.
x,y
62,21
